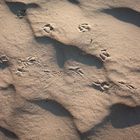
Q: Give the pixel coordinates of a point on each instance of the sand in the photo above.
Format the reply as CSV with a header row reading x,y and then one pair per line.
x,y
69,70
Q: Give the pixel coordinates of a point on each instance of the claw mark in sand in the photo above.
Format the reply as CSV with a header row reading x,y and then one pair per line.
x,y
84,27
104,55
48,28
127,85
77,70
102,86
4,61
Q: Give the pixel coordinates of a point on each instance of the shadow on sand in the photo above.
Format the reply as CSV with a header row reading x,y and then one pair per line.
x,y
69,52
121,116
124,14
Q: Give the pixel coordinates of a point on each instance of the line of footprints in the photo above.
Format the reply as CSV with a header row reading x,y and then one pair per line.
x,y
84,27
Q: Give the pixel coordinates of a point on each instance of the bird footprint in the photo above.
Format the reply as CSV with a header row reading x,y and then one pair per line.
x,y
104,55
84,27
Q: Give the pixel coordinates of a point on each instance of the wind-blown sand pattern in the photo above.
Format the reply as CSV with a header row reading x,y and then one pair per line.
x,y
69,70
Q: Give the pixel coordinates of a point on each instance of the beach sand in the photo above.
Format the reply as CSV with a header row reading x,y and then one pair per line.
x,y
69,70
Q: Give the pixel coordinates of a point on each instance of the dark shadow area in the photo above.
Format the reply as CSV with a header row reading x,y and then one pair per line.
x,y
121,116
33,5
52,106
19,8
15,7
124,14
10,87
74,1
55,108
4,65
4,62
8,133
69,52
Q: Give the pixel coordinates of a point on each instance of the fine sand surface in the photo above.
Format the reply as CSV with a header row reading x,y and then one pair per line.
x,y
69,69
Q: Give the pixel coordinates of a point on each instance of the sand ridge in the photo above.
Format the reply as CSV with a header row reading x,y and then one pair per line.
x,y
69,69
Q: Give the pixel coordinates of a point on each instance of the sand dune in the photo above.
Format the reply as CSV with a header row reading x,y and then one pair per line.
x,y
69,70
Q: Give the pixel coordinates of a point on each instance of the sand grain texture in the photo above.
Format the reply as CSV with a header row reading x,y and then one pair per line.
x,y
69,70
